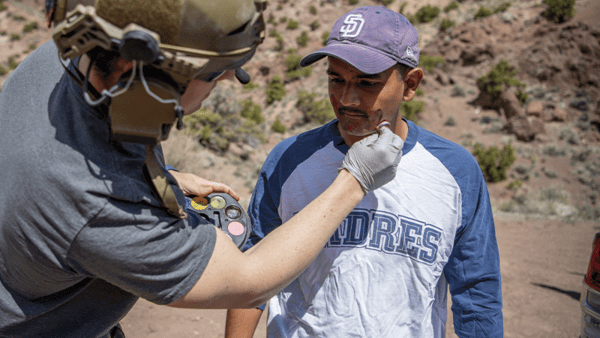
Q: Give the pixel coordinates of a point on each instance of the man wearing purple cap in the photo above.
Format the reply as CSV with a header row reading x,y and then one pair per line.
x,y
387,269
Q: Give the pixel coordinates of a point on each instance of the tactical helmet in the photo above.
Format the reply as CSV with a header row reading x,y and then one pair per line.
x,y
185,38
171,42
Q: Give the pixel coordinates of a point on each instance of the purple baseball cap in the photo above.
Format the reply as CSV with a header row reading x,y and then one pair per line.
x,y
371,39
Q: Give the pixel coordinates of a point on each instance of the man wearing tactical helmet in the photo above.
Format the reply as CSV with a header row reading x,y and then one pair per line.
x,y
90,219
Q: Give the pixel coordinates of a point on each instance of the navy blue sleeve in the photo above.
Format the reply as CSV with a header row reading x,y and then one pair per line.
x,y
473,269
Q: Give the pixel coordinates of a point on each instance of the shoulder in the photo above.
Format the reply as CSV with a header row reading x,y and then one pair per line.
x,y
457,160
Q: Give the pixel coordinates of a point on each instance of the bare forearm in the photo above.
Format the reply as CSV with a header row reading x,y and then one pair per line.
x,y
242,323
236,280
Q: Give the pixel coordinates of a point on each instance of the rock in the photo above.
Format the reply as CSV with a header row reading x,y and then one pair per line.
x,y
510,104
523,129
559,115
235,149
535,108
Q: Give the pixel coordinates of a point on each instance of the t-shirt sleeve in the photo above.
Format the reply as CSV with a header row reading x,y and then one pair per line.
x,y
143,250
473,269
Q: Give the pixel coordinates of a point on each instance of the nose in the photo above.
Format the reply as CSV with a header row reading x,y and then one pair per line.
x,y
350,96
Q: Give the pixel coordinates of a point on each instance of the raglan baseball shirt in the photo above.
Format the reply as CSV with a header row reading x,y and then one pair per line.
x,y
386,270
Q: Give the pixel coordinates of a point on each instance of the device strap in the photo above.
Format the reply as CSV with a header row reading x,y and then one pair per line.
x,y
160,184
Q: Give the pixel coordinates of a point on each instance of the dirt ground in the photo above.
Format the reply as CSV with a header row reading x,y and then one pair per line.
x,y
542,262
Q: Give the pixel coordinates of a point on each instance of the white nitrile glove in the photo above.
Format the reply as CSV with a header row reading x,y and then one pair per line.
x,y
373,160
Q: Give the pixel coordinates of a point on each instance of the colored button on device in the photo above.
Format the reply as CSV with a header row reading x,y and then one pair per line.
x,y
199,203
218,202
235,228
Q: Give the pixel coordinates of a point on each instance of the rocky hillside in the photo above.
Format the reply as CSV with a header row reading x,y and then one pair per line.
x,y
547,110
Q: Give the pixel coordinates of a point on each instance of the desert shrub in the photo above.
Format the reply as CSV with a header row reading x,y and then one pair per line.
x,y
3,70
430,62
559,10
278,40
450,122
292,24
279,7
553,150
3,7
15,37
502,74
32,46
275,90
386,2
419,92
12,63
402,7
515,185
483,12
313,10
550,173
19,18
352,2
277,126
283,19
446,23
314,25
502,7
452,5
293,69
427,13
315,111
324,38
30,27
302,39
494,162
569,135
411,109
252,111
250,86
458,91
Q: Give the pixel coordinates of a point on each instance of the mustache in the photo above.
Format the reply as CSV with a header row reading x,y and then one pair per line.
x,y
345,110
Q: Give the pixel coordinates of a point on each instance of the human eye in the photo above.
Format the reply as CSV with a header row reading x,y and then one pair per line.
x,y
368,84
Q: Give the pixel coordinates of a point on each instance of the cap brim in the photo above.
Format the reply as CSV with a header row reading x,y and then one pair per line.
x,y
360,57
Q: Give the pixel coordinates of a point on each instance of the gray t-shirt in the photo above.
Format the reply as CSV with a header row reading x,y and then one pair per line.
x,y
81,235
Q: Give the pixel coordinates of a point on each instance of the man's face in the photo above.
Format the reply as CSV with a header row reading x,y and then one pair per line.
x,y
361,101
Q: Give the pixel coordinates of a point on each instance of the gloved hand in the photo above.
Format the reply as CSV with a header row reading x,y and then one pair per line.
x,y
373,160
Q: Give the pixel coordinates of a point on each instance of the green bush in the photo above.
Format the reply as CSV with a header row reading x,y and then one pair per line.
x,y
12,63
252,111
452,5
352,2
446,23
483,12
30,27
250,86
427,13
502,7
3,71
292,24
3,7
302,39
278,39
314,25
277,126
430,62
283,19
275,90
502,74
15,37
559,10
313,10
411,109
293,71
402,7
324,38
450,122
19,18
386,2
315,111
493,161
419,92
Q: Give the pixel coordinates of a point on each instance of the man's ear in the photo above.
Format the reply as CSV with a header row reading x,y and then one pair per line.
x,y
412,79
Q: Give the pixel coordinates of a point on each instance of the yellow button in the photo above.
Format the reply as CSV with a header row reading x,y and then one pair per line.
x,y
199,203
218,202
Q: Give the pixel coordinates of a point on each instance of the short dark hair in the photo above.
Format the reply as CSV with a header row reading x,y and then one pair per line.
x,y
403,70
103,61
